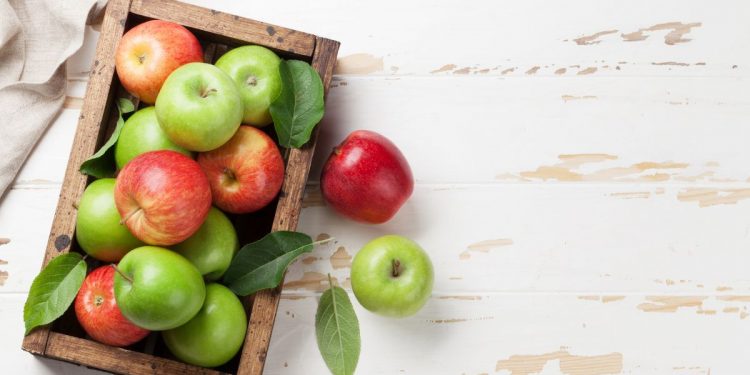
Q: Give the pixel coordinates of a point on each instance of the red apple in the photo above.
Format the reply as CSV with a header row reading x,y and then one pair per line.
x,y
366,178
245,173
163,197
98,313
149,52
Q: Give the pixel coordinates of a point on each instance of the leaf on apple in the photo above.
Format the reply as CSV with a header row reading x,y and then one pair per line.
x,y
53,290
102,163
337,331
261,264
299,106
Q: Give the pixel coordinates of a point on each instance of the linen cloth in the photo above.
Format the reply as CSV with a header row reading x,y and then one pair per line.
x,y
36,38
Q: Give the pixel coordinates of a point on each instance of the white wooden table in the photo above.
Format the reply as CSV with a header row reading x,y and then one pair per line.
x,y
582,186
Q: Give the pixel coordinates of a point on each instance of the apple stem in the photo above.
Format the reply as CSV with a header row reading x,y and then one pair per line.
x,y
124,276
205,92
131,213
228,172
330,281
396,268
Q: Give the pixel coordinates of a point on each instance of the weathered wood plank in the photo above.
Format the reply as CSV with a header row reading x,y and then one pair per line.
x,y
530,333
593,238
511,40
227,27
117,360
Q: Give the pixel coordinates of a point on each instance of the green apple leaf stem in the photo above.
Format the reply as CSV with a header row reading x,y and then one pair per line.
x,y
337,331
261,264
102,164
299,106
53,290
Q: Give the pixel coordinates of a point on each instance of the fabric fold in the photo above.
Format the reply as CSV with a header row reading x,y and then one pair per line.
x,y
36,38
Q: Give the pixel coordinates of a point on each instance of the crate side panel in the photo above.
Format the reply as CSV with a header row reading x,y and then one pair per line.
x,y
266,302
227,26
117,360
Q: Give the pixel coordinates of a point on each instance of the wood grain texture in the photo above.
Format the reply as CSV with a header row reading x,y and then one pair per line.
x,y
266,302
96,109
521,36
524,333
227,27
116,360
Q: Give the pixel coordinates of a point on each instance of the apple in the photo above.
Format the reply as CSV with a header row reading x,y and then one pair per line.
x,y
158,289
98,313
140,134
212,247
149,52
392,276
255,70
163,197
98,228
215,334
366,178
199,107
246,173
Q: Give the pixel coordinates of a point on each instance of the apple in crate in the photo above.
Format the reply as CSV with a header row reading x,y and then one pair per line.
x,y
98,313
255,70
212,247
158,289
163,197
366,178
149,52
199,107
246,173
215,334
98,228
140,134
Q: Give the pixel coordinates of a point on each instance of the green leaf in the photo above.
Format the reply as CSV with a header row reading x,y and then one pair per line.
x,y
102,163
299,106
337,331
261,264
53,290
125,106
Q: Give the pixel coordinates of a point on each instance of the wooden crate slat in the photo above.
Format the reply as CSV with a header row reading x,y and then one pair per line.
x,y
117,360
96,109
287,216
227,25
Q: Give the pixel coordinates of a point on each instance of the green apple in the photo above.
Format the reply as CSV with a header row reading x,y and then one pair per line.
x,y
212,247
255,70
392,276
215,334
141,134
158,289
98,227
199,107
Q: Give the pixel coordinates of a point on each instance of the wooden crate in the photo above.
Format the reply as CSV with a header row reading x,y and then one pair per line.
x,y
218,32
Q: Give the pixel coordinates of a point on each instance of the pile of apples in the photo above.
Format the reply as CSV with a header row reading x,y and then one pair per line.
x,y
182,163
185,161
